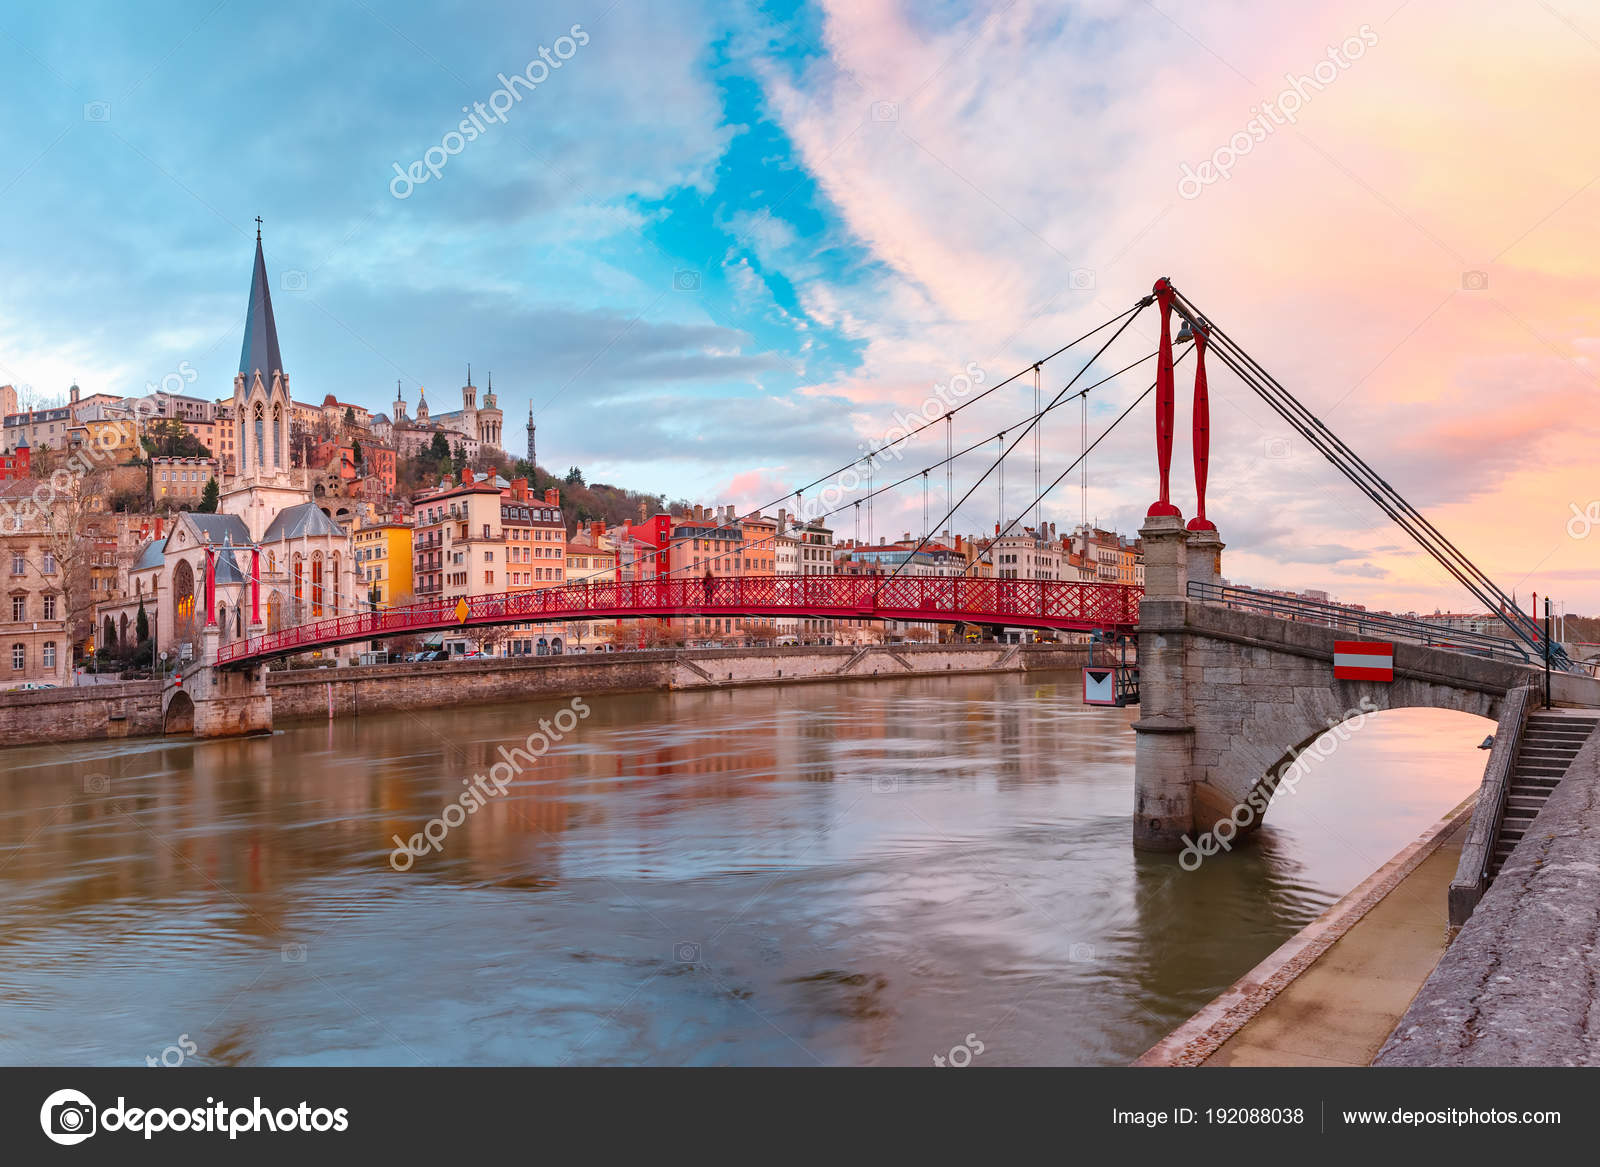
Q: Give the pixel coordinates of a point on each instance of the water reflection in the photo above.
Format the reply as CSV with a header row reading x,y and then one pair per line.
x,y
813,874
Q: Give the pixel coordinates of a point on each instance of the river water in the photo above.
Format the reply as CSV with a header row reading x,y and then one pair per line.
x,y
861,873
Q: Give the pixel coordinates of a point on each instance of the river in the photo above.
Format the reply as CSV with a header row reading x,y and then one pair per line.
x,y
860,873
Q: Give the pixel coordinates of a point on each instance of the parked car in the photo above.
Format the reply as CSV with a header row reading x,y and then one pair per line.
x,y
30,687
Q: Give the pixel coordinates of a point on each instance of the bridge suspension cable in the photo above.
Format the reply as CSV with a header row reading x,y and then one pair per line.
x,y
913,475
870,457
1368,481
1076,462
1128,318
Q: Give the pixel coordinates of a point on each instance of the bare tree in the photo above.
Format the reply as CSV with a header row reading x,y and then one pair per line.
x,y
63,513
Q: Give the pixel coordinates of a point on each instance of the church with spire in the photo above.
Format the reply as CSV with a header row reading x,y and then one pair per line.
x,y
264,481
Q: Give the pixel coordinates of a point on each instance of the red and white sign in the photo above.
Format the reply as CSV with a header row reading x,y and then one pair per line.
x,y
1362,660
1099,686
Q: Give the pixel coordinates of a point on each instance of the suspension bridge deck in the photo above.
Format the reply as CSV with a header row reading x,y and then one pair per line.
x,y
1020,603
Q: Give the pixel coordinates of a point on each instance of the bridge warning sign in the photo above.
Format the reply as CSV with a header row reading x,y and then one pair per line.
x,y
1363,660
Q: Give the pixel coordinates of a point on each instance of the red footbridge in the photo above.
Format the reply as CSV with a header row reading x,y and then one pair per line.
x,y
1012,603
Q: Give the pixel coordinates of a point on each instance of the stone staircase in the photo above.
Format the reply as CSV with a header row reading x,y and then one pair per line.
x,y
1549,743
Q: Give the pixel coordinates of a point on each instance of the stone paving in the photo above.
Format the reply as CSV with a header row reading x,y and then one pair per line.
x,y
1520,986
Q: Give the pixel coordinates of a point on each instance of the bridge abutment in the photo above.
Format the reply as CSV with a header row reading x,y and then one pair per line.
x,y
1163,810
210,702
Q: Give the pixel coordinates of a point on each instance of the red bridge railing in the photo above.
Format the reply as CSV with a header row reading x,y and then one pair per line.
x,y
1023,603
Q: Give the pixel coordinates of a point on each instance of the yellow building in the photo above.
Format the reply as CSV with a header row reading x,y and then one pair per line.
x,y
113,440
383,559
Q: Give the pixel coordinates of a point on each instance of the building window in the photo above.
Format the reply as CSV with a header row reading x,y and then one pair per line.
x,y
19,657
49,654
50,607
19,565
49,563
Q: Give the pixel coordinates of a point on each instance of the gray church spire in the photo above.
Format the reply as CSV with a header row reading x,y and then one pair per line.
x,y
260,350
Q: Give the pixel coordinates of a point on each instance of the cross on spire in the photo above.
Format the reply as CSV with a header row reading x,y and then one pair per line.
x,y
258,228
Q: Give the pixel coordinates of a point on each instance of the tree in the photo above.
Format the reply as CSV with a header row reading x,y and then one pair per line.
x,y
62,517
439,450
141,624
167,437
208,498
574,477
355,451
350,416
460,455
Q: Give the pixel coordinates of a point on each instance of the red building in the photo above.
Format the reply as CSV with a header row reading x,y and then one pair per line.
x,y
18,464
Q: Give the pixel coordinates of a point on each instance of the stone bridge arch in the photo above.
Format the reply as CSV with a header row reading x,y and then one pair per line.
x,y
177,712
1239,762
213,702
1227,696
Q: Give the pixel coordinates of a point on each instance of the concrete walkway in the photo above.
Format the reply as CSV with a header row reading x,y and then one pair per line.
x,y
1341,1009
1332,994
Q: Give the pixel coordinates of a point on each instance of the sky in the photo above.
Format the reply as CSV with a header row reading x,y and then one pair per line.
x,y
720,248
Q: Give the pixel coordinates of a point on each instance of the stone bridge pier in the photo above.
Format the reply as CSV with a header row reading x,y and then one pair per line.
x,y
1228,698
211,702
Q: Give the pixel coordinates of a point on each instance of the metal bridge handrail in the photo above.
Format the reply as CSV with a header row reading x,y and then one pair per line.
x,y
1080,604
1337,616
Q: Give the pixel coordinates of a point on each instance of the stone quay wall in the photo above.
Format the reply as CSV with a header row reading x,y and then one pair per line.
x,y
135,708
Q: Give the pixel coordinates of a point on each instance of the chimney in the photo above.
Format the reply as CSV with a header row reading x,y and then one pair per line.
x,y
696,511
958,543
597,529
552,497
908,537
466,476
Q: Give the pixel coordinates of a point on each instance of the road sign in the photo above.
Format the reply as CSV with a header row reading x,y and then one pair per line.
x,y
1098,686
461,610
1363,660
